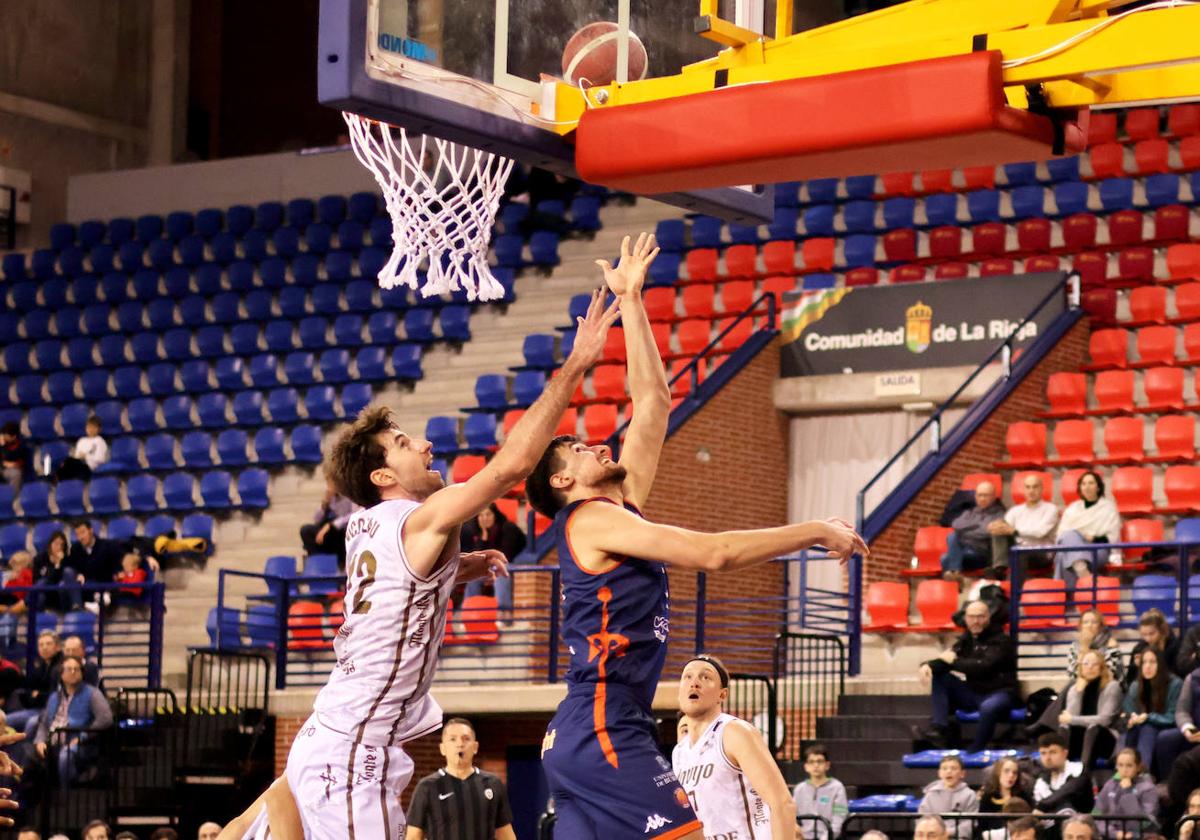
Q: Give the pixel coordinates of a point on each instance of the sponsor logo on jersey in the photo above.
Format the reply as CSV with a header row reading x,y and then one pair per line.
x,y
307,732
695,774
548,741
487,793
663,763
682,798
662,627
654,822
445,795
418,638
370,765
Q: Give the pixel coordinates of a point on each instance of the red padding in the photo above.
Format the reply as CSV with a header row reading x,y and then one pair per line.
x,y
935,114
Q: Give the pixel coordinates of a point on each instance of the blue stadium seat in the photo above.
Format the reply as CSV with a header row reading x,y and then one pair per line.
x,y
198,525
306,444
479,431
56,451
145,349
527,387
191,252
214,490
305,271
1155,592
179,490
418,325
13,267
156,526
335,366
231,448
24,295
818,220
224,628
1071,197
1063,169
355,397
268,216
131,317
248,408
161,314
538,350
177,344
254,250
37,324
160,254
318,403
371,364
507,248
511,215
177,283
347,330
941,209
338,266
1020,174
322,566
143,416
226,308
210,341
127,382
456,322
1116,193
29,389
121,529
983,206
102,259
1029,201
68,497
241,277
209,222
822,190
287,242
131,257
859,216
381,327
48,354
224,248
13,538
406,362
783,225
120,230
585,213
301,212
244,337
41,264
860,250
258,305
54,293
196,448
371,261
491,391
61,386
239,219
1187,529
230,373
284,405
312,330
177,413
62,235
822,280
299,368
279,335
252,488
161,378
34,500
262,626
16,358
112,416
42,422
124,456
360,296
160,452
211,409
268,446
664,271
362,207
1162,189
860,186
293,302
317,238
442,432
350,236
194,374
264,371
7,510
743,234
178,225
706,232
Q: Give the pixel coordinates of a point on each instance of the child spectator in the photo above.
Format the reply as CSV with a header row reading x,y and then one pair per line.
x,y
1061,787
14,456
1187,828
950,794
820,794
89,453
1129,793
12,604
1003,785
1150,702
134,576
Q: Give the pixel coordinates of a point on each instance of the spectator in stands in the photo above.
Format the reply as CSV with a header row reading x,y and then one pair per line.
x,y
1155,632
820,794
950,794
1150,703
970,546
133,579
73,647
1187,828
28,832
1090,718
52,568
326,534
39,684
12,604
874,834
1062,787
1003,784
1129,793
93,558
1090,519
1094,634
1030,524
90,452
930,827
15,458
164,833
1188,658
985,656
126,835
97,830
208,831
75,705
1172,743
1080,827
492,529
1024,828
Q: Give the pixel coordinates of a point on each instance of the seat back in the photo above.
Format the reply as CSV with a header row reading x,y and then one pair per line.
x,y
1043,598
1155,592
937,601
887,603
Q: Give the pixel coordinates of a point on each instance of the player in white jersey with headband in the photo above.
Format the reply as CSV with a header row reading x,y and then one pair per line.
x,y
347,769
723,763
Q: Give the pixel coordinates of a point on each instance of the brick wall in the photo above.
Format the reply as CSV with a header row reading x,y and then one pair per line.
x,y
892,550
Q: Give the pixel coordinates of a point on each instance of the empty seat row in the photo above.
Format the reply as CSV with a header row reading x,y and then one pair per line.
x,y
1153,346
1174,437
1116,392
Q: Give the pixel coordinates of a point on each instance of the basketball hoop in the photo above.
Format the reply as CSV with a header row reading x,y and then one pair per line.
x,y
442,199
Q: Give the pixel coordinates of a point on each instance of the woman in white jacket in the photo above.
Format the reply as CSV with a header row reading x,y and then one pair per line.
x,y
1092,518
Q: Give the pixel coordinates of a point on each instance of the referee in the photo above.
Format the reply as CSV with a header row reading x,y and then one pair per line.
x,y
460,801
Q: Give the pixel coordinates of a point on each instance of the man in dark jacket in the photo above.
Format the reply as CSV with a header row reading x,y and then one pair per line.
x,y
970,546
1062,787
984,655
95,559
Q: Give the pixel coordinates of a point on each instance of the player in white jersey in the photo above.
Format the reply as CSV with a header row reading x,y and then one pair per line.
x,y
347,769
723,763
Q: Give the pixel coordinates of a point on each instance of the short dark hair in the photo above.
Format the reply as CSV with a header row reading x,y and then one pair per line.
x,y
545,499
953,759
97,824
1022,824
94,420
164,833
78,523
817,749
11,428
460,721
357,453
1051,739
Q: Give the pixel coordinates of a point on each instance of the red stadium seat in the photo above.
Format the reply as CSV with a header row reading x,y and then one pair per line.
x,y
1172,222
1181,484
1068,484
1135,266
1163,387
599,422
1147,305
510,508
511,418
1151,157
662,338
1156,346
1034,234
937,180
660,303
1183,120
937,601
1108,349
1067,394
950,271
928,547
701,264
897,183
1016,486
1140,530
1102,128
614,343
1026,445
737,335
1079,231
988,239
683,386
1114,392
1183,262
997,267
1187,302
568,423
1142,123
465,466
817,254
1189,152
608,384
478,615
1191,344
907,274
1101,306
1042,262
1043,604
945,243
1125,228
1175,438
779,257
778,286
306,626
1123,438
741,261
1073,443
699,301
1103,594
900,245
887,606
1133,489
972,480
863,276
1108,160
693,336
1092,267
979,177
737,296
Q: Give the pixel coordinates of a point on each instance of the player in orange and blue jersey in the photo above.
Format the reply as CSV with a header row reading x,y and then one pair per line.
x,y
606,773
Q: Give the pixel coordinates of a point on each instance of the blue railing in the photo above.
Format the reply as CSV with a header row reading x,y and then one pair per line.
x,y
525,645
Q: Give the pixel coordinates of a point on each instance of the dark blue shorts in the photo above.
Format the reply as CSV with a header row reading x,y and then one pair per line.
x,y
607,776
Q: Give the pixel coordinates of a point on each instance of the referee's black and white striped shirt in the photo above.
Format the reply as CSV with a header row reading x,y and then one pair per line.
x,y
448,808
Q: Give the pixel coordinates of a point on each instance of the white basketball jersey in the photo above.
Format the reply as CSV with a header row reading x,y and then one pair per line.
x,y
387,648
721,795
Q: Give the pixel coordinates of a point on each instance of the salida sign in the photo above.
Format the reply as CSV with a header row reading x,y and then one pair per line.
x,y
902,327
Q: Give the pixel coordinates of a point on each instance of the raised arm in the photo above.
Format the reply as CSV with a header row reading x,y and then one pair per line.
x,y
453,505
745,747
599,530
647,378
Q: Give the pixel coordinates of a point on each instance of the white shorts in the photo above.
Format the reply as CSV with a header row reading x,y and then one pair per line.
x,y
346,790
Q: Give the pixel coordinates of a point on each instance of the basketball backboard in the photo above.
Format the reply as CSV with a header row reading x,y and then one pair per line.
x,y
477,72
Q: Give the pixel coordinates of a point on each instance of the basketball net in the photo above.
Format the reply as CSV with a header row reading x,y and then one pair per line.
x,y
442,198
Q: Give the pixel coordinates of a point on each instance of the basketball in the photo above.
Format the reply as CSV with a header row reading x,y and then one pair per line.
x,y
591,54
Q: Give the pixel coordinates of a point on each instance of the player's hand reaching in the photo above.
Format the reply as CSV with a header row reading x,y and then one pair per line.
x,y
484,565
630,274
841,540
592,330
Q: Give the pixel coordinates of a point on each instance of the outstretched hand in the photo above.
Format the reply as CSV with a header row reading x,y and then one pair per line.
x,y
592,330
630,274
486,565
842,541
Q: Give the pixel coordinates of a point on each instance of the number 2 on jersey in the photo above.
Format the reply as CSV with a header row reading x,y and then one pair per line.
x,y
362,575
